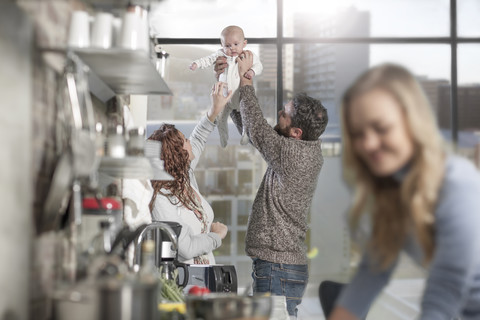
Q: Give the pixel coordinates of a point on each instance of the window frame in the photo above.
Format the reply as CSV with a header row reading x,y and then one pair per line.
x,y
452,40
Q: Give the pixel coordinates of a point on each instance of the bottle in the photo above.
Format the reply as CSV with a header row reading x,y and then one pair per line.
x,y
102,242
136,142
99,140
148,273
116,143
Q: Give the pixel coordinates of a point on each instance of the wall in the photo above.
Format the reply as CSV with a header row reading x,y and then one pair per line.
x,y
329,227
28,86
15,160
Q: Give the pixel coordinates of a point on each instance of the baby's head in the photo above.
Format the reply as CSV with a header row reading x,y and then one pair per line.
x,y
233,40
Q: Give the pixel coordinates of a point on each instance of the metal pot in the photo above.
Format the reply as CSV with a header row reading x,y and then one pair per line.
x,y
228,306
128,300
76,302
109,299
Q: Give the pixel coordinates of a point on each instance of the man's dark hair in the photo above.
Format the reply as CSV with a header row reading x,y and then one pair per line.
x,y
310,116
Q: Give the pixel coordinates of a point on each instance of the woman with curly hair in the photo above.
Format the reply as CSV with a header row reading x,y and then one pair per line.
x,y
179,199
412,195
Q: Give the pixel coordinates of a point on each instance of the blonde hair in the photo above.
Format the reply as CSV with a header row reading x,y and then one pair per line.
x,y
397,209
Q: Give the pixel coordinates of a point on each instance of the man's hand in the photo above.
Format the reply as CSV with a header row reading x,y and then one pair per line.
x,y
220,65
245,62
218,100
250,74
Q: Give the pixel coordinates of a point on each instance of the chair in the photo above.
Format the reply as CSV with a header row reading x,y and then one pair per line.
x,y
328,293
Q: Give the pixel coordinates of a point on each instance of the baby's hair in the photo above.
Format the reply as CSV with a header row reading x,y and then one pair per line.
x,y
232,29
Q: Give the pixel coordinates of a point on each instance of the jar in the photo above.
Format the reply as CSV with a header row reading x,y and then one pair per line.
x,y
116,143
136,142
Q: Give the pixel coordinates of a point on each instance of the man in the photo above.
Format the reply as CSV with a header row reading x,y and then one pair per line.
x,y
277,225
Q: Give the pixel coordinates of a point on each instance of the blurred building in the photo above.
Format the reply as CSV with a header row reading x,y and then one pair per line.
x,y
324,71
268,57
468,107
431,88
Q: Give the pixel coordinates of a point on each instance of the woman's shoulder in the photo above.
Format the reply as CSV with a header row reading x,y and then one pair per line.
x,y
460,189
165,199
460,171
163,208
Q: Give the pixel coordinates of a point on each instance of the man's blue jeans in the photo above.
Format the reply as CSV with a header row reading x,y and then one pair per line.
x,y
289,280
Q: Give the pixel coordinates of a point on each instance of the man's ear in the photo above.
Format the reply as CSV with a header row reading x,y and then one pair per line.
x,y
296,133
245,42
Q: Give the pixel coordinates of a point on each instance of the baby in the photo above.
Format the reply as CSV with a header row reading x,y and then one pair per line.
x,y
233,42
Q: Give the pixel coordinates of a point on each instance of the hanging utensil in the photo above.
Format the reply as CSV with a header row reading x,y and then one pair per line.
x,y
75,137
59,193
83,130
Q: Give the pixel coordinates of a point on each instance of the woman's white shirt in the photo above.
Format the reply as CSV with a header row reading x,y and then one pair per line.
x,y
192,242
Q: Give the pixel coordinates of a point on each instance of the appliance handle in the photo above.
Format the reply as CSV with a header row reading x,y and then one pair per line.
x,y
184,266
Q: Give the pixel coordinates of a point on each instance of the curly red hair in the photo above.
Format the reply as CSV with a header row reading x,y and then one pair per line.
x,y
177,163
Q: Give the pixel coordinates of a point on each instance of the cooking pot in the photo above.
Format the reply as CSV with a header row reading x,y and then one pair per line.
x,y
228,306
129,299
108,299
110,291
78,301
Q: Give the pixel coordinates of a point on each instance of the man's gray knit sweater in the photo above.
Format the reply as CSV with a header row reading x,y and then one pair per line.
x,y
277,225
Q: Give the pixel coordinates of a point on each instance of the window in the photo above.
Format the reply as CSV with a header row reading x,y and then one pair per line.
x,y
360,18
468,96
206,18
323,45
468,17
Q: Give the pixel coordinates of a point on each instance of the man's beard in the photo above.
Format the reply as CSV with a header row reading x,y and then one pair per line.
x,y
283,132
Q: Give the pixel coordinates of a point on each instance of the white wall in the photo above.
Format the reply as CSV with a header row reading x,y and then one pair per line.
x,y
328,225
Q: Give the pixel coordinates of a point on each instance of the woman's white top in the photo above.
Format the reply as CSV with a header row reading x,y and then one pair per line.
x,y
191,242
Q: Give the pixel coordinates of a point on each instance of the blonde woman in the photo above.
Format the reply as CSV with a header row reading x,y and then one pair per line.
x,y
418,198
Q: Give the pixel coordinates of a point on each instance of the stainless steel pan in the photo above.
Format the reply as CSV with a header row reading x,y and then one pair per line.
x,y
75,139
59,192
82,139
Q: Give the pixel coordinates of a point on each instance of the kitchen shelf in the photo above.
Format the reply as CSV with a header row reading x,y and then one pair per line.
x,y
113,71
109,4
124,71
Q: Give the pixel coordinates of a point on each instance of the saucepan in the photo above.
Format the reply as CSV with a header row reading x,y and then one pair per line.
x,y
75,135
113,297
128,300
59,193
228,306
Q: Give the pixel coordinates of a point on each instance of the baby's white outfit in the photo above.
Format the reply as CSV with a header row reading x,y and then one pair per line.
x,y
231,77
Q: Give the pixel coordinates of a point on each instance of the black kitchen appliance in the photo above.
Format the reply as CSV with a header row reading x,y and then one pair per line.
x,y
217,278
164,248
166,254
